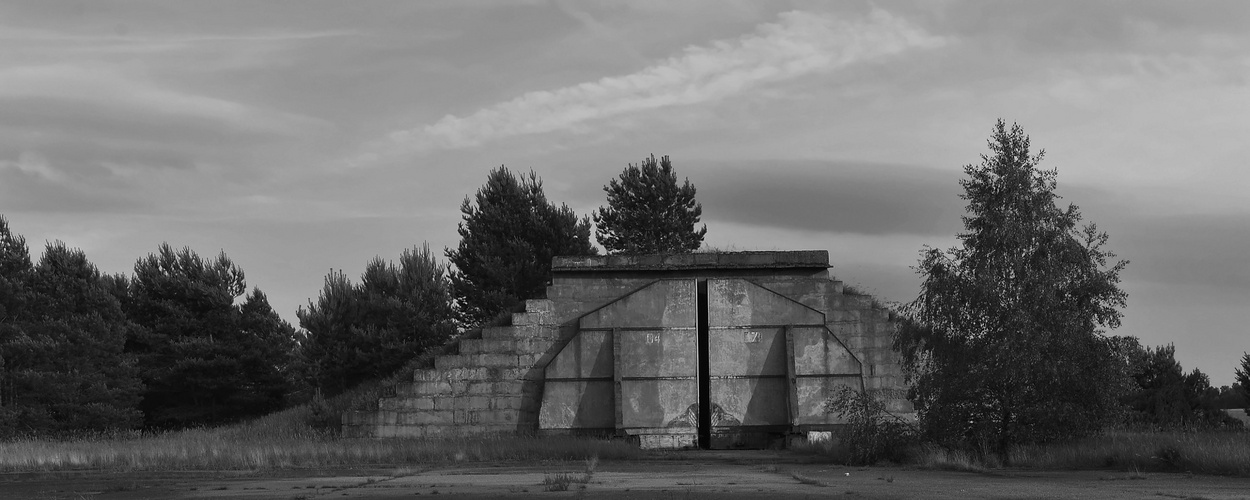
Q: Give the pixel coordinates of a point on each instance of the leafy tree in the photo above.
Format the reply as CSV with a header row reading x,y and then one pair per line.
x,y
204,359
1005,342
367,331
1243,378
507,241
648,212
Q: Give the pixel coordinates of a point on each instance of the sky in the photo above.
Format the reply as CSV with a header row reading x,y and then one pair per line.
x,y
304,136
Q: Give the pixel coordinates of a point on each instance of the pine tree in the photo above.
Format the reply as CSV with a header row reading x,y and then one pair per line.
x,y
648,212
63,370
367,331
1004,342
15,277
507,241
203,359
1243,378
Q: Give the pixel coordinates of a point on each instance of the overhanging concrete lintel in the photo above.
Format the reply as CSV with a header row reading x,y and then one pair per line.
x,y
810,259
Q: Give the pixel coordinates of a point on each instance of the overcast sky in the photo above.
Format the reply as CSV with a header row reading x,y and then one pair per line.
x,y
304,136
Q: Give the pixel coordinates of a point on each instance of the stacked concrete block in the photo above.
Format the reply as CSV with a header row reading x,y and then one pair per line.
x,y
490,386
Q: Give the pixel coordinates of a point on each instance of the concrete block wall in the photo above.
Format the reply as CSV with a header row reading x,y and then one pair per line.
x,y
493,385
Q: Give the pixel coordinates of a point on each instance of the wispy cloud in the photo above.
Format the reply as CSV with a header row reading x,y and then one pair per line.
x,y
107,87
797,44
33,164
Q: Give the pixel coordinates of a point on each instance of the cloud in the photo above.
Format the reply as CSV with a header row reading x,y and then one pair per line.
x,y
33,164
1206,250
832,196
102,87
798,44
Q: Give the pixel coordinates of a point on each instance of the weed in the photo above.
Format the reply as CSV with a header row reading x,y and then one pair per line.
x,y
557,482
807,480
562,481
872,433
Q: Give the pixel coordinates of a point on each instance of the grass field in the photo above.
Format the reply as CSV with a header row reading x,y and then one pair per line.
x,y
292,439
286,440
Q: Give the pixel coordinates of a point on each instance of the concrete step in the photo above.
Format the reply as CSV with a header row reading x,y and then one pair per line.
x,y
483,361
521,332
539,305
459,388
499,333
485,346
534,318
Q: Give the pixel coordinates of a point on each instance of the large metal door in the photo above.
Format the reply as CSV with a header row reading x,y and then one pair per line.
x,y
749,365
773,365
677,364
651,387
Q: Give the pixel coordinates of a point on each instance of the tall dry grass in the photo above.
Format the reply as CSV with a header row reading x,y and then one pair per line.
x,y
287,439
237,449
1201,452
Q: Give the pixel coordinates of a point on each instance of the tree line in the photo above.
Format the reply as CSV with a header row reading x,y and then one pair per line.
x,y
1005,344
184,342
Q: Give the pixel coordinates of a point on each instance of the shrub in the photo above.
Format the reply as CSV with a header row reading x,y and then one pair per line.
x,y
871,433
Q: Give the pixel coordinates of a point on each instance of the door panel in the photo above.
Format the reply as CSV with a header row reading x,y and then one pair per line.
x,y
658,372
748,358
631,367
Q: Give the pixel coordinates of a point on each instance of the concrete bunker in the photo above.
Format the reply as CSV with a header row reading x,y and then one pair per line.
x,y
716,350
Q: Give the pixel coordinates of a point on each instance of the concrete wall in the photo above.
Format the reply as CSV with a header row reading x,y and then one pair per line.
x,y
555,367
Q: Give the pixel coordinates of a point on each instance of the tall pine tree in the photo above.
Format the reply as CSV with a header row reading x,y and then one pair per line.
x,y
648,212
507,240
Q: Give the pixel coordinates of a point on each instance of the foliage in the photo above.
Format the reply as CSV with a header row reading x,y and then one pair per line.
x,y
507,240
872,433
62,366
204,359
361,332
1243,379
1004,343
1164,396
648,212
1231,397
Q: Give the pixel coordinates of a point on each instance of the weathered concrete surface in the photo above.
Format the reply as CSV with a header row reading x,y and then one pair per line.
x,y
739,302
619,347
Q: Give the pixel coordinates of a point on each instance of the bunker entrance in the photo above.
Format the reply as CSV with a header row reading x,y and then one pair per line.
x,y
694,362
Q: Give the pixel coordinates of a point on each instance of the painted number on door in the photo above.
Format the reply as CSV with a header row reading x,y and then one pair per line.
x,y
751,337
653,338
